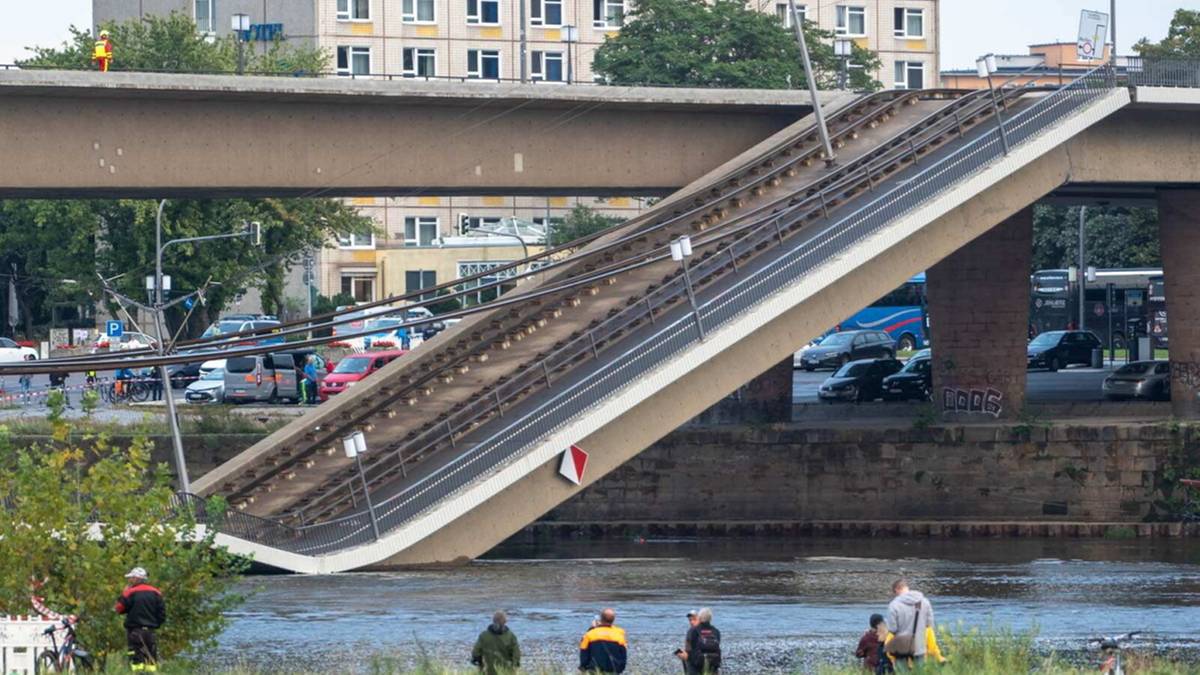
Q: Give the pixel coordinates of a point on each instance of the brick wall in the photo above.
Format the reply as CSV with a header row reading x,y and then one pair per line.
x,y
987,472
978,302
1178,232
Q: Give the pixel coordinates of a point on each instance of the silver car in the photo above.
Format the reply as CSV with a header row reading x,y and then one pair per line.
x,y
210,388
1140,379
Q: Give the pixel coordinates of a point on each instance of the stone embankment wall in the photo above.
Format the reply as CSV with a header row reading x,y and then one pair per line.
x,y
1077,473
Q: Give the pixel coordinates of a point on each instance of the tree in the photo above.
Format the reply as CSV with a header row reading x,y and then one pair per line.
x,y
1182,41
59,497
580,222
720,44
1114,237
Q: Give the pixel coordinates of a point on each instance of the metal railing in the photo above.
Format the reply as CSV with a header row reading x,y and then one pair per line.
x,y
1146,72
677,335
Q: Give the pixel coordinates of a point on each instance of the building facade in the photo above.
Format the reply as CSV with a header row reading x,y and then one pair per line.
x,y
420,240
1053,63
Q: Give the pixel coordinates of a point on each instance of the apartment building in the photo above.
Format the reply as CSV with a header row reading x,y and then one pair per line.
x,y
427,240
1052,63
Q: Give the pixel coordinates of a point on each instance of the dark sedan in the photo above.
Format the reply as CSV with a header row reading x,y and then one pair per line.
x,y
858,381
838,349
1061,348
914,381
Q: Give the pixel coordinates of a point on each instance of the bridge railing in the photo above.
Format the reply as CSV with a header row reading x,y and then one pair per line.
x,y
1150,72
678,334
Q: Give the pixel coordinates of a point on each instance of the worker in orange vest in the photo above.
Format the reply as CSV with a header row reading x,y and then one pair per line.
x,y
103,53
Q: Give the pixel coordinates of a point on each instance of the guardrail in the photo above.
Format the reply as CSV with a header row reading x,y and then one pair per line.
x,y
681,333
1146,72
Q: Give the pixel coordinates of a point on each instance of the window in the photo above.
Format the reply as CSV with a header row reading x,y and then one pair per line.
x,y
608,13
418,11
546,66
353,61
545,13
354,10
483,64
420,231
910,75
468,223
359,285
416,280
483,12
851,20
204,16
354,240
784,11
420,62
909,22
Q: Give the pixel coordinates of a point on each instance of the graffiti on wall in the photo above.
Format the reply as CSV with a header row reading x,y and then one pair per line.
x,y
1187,372
986,401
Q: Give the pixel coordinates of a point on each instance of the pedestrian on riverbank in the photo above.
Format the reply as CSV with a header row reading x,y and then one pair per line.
x,y
701,654
909,616
26,383
604,648
870,646
145,612
496,651
310,380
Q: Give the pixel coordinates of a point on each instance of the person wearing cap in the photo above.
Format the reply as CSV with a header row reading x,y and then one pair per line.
x,y
102,52
145,612
701,653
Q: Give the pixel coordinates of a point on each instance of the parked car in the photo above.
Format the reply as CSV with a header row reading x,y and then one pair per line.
x,y
210,388
914,381
353,369
1140,379
838,349
858,381
209,366
237,323
126,341
11,351
1060,348
267,377
386,320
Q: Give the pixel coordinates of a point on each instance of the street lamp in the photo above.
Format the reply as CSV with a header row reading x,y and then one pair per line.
x,y
985,66
842,49
355,445
570,35
798,26
241,30
681,250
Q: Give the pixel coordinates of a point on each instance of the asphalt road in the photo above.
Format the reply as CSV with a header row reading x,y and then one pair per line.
x,y
1073,384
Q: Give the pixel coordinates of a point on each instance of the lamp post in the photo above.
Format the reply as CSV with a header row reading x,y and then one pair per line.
x,y
842,49
355,445
985,66
798,26
1082,267
241,27
681,250
570,35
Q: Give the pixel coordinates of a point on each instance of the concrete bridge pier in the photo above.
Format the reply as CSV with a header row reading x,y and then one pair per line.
x,y
1179,240
978,303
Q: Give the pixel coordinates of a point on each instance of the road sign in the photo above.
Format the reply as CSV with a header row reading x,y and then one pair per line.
x,y
114,329
574,460
1093,30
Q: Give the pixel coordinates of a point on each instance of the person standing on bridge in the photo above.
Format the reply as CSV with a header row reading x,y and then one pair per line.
x,y
496,651
145,612
102,53
603,648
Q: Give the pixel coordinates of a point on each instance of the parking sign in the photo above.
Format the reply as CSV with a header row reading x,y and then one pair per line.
x,y
114,329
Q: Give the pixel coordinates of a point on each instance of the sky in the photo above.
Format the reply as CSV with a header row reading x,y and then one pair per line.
x,y
970,28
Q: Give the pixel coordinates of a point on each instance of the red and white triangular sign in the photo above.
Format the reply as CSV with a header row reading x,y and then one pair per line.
x,y
574,460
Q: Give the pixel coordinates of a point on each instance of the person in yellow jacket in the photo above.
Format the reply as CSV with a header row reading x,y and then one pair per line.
x,y
102,53
933,653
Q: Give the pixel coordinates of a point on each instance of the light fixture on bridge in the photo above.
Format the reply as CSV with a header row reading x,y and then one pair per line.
x,y
842,49
355,446
681,250
985,67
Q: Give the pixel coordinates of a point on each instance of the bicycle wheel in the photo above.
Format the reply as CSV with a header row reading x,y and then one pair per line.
x,y
139,392
46,662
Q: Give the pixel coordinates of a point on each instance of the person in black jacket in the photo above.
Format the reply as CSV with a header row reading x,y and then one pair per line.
x,y
703,653
145,612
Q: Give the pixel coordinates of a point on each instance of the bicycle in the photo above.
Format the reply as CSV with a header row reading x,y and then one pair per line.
x,y
136,391
1110,653
67,657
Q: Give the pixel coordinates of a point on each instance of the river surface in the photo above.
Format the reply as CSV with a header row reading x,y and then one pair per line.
x,y
782,606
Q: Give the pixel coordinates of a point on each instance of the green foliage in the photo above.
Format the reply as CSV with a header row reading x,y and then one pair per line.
x,y
580,222
720,44
61,496
1182,41
1114,237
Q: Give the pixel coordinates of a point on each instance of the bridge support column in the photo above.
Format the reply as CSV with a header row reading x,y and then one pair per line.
x,y
769,396
1178,229
978,302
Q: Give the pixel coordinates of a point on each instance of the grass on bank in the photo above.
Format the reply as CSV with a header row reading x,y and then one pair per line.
x,y
207,420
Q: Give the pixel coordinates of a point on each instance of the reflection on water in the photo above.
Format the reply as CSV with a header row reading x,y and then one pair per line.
x,y
782,606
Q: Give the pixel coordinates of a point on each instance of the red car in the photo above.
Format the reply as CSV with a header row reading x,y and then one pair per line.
x,y
353,368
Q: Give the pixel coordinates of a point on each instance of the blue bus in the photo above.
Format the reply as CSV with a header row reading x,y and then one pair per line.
x,y
900,314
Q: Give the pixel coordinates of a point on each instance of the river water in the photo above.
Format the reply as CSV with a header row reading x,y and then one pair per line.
x,y
782,606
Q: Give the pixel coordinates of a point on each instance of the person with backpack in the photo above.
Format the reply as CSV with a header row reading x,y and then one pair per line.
x,y
909,617
702,652
496,651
